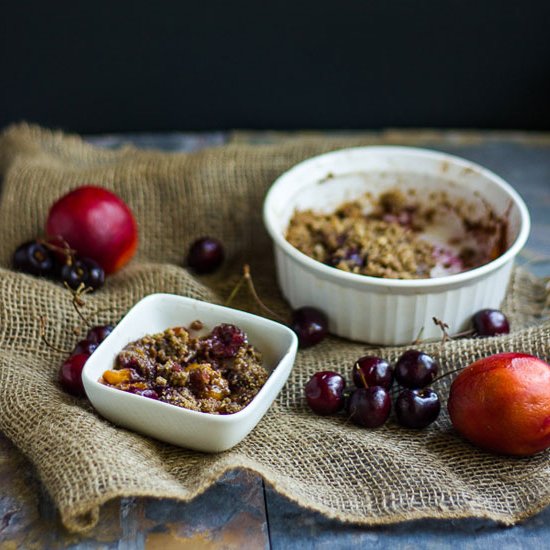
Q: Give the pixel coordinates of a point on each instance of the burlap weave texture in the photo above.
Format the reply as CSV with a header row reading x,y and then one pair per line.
x,y
326,464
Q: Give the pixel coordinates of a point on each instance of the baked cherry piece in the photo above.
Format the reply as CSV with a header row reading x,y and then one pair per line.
x,y
417,408
70,374
98,333
325,392
151,394
490,322
351,256
372,371
369,407
205,255
33,258
225,341
83,271
310,325
87,347
415,369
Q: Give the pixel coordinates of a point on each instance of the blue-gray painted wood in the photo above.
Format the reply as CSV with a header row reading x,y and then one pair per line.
x,y
292,527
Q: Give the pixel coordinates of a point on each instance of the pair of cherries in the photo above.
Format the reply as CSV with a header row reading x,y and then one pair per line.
x,y
50,259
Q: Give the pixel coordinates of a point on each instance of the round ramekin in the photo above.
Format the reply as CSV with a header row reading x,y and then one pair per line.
x,y
389,311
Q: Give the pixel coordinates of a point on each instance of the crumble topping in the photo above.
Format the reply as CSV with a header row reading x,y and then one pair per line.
x,y
390,241
219,373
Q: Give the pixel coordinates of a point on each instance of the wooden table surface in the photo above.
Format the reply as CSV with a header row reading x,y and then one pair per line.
x,y
240,511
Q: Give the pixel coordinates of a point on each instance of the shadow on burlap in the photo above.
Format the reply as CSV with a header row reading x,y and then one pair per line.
x,y
325,464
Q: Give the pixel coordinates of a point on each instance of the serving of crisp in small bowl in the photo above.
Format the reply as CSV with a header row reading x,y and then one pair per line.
x,y
270,345
384,239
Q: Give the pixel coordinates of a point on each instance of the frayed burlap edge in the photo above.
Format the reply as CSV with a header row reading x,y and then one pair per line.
x,y
82,518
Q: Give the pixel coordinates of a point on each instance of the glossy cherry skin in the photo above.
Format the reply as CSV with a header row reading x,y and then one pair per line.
x,y
83,271
70,374
490,322
417,408
98,333
371,370
310,325
415,369
325,392
33,258
205,255
87,347
369,407
151,394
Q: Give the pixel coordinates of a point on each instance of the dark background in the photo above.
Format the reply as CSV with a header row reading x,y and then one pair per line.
x,y
102,66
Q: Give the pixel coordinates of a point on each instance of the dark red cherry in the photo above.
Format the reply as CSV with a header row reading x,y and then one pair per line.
x,y
87,347
372,371
310,325
417,408
369,407
205,255
99,333
70,374
490,322
83,271
33,258
325,392
415,369
96,275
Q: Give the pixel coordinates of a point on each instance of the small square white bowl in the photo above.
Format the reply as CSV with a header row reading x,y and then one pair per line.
x,y
185,428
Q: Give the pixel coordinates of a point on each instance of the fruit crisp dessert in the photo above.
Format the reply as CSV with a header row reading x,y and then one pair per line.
x,y
218,373
397,236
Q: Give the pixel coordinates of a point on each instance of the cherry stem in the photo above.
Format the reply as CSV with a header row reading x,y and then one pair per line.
x,y
418,338
468,332
65,249
77,300
248,277
446,336
362,376
42,321
235,291
443,326
446,374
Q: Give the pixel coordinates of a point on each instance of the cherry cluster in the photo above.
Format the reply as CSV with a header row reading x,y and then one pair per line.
x,y
54,259
369,403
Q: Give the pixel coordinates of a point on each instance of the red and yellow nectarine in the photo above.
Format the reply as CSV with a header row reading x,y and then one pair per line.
x,y
97,223
502,404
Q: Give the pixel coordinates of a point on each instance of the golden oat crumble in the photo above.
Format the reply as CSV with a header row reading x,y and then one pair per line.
x,y
218,373
384,243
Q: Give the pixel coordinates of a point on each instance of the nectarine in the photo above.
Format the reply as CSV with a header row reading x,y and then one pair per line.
x,y
97,223
502,404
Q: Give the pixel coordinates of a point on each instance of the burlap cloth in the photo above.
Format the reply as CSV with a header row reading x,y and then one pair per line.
x,y
325,464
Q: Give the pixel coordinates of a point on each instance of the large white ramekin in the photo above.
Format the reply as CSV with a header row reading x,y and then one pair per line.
x,y
389,311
